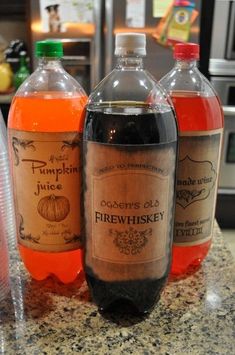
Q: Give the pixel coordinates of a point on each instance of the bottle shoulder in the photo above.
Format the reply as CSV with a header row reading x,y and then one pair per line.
x,y
129,86
43,80
191,80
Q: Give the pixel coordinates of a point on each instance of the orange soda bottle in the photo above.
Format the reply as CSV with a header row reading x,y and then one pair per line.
x,y
200,119
44,134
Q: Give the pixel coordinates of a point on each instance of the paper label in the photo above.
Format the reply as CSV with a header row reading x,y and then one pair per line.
x,y
47,177
179,27
196,188
128,203
160,7
57,16
135,13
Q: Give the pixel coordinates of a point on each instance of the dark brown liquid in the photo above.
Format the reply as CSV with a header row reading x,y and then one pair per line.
x,y
138,296
128,126
117,125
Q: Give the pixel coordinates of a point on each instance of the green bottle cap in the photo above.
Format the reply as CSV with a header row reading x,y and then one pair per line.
x,y
49,49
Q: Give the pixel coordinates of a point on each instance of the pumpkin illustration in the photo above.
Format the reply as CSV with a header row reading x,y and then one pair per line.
x,y
54,208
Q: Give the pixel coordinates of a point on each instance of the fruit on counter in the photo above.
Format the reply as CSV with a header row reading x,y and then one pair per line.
x,y
6,76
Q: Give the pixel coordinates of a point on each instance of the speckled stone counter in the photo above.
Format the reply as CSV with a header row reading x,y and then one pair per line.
x,y
194,315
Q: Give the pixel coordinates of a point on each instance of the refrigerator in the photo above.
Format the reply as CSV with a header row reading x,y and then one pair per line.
x,y
89,45
159,59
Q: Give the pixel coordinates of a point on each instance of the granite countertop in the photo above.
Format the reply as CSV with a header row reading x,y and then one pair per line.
x,y
194,316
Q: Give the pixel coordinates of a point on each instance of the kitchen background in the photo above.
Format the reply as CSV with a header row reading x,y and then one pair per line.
x,y
87,29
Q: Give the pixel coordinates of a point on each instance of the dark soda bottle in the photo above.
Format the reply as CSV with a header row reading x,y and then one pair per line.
x,y
200,121
130,152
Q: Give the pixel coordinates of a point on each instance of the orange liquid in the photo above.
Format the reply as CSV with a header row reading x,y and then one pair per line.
x,y
49,112
194,113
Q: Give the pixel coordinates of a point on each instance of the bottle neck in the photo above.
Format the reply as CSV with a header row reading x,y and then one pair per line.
x,y
49,63
129,63
22,61
186,64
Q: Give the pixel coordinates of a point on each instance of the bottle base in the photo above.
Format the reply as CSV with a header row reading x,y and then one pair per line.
x,y
186,260
128,297
64,266
64,280
184,273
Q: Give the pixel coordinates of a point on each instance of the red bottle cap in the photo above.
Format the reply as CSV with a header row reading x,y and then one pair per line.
x,y
183,3
186,51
